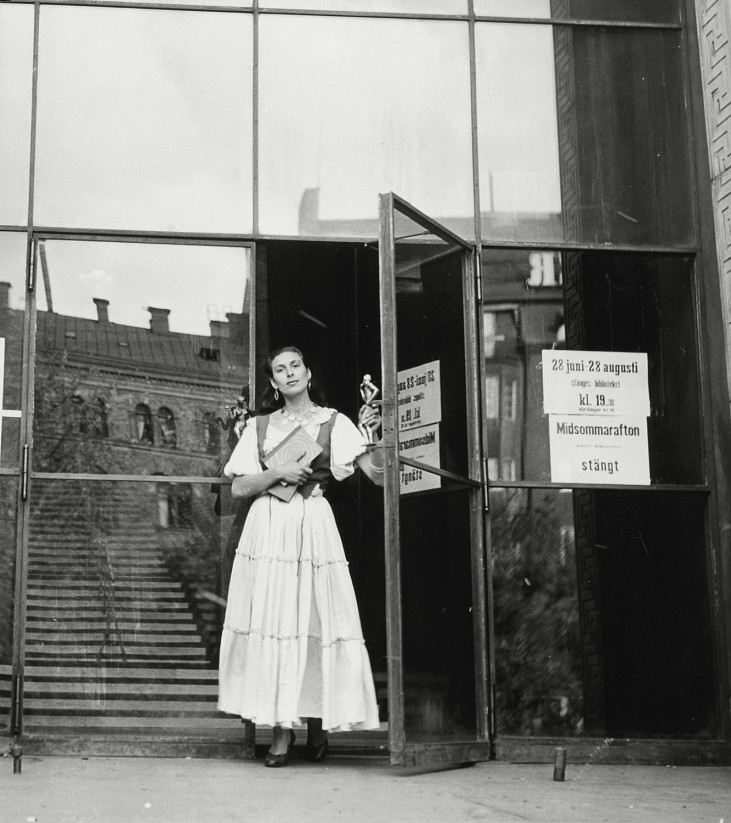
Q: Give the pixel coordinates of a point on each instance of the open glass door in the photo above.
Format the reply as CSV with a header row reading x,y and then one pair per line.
x,y
435,568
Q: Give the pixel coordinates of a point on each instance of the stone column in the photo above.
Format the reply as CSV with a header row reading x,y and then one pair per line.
x,y
714,28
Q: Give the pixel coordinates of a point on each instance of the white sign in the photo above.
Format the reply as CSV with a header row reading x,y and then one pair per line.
x,y
422,445
595,382
419,396
590,449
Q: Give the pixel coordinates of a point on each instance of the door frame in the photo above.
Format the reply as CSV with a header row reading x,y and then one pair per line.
x,y
404,753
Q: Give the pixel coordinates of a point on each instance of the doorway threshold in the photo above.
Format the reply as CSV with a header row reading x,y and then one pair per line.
x,y
341,744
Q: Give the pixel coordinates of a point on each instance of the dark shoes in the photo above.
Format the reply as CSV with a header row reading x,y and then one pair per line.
x,y
316,754
275,761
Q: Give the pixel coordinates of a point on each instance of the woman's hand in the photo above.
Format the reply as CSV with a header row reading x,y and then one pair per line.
x,y
293,473
369,417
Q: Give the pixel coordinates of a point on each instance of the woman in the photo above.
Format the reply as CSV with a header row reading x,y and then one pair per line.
x,y
292,644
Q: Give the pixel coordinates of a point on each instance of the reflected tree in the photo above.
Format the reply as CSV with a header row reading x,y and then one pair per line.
x,y
7,579
191,551
538,651
71,430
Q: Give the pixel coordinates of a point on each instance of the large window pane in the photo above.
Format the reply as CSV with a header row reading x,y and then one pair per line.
x,y
370,106
125,389
144,120
393,6
16,75
537,625
12,314
594,301
601,614
520,187
634,11
125,586
622,96
8,493
513,8
244,4
597,150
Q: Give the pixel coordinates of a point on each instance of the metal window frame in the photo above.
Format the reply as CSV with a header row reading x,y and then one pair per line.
x,y
701,249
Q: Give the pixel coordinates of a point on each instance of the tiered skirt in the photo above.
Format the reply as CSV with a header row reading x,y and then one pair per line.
x,y
292,645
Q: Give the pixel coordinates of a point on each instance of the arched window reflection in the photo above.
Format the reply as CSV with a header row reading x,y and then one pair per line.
x,y
77,422
167,427
143,425
101,426
175,505
211,433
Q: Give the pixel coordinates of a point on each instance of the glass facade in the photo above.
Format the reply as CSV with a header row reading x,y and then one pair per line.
x,y
172,121
186,187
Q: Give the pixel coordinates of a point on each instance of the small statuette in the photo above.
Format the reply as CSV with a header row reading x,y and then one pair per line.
x,y
239,414
368,392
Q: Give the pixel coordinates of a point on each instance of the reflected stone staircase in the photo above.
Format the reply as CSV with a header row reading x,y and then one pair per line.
x,y
115,659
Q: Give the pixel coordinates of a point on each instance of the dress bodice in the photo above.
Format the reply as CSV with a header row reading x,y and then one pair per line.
x,y
321,471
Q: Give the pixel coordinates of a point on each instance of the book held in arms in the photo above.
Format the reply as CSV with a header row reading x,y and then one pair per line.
x,y
297,446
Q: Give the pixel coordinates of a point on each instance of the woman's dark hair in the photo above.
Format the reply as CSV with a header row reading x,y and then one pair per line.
x,y
270,403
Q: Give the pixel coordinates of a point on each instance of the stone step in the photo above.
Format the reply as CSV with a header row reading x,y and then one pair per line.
x,y
93,598
89,578
79,616
111,673
36,723
114,657
131,691
46,650
70,538
129,638
120,708
39,569
39,608
120,587
73,626
121,547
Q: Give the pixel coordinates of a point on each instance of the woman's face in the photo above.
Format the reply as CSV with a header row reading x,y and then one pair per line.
x,y
289,374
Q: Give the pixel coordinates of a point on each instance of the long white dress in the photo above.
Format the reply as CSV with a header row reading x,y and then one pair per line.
x,y
292,645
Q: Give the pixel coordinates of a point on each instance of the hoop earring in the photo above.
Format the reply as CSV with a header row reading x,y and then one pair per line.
x,y
276,395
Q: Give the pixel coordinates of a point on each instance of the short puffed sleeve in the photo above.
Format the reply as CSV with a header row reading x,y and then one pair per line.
x,y
245,456
346,443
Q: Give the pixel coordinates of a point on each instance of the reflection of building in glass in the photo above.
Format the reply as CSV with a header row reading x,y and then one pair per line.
x,y
538,652
130,400
129,571
536,225
522,315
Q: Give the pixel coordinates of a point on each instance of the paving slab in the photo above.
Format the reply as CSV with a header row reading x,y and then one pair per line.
x,y
357,790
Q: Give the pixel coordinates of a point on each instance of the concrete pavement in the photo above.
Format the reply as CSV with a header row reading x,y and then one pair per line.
x,y
357,790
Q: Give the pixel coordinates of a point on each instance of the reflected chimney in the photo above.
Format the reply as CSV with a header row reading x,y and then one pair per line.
x,y
4,296
159,320
219,328
238,325
102,310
